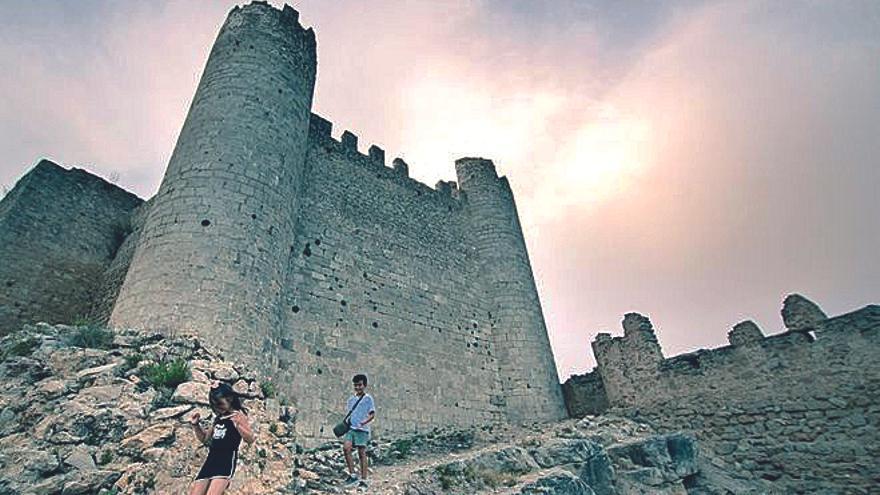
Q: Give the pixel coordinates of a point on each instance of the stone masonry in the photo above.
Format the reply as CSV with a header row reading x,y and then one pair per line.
x,y
297,254
800,409
59,230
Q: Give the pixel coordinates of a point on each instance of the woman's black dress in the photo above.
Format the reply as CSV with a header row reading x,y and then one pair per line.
x,y
223,452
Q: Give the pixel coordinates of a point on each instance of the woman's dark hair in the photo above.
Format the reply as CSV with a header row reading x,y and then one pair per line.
x,y
223,390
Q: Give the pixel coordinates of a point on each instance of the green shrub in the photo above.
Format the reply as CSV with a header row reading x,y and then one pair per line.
x,y
132,360
268,389
91,336
22,347
404,446
167,374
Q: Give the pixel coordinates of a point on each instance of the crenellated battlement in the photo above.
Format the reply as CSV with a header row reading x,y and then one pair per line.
x,y
266,15
473,171
637,355
320,135
631,362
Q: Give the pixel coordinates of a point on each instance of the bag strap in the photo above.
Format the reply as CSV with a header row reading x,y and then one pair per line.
x,y
353,408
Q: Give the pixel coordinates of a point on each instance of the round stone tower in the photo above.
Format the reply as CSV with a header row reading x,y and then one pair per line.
x,y
525,361
216,243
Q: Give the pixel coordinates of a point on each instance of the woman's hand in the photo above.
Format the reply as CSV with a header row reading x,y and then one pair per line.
x,y
238,419
242,425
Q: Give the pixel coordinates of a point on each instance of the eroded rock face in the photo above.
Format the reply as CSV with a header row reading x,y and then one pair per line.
x,y
87,421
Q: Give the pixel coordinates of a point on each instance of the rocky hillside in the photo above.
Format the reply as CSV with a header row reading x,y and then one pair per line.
x,y
88,411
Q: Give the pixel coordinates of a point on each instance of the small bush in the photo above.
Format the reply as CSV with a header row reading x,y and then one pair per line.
x,y
132,360
404,446
91,336
167,374
106,457
495,479
24,347
268,389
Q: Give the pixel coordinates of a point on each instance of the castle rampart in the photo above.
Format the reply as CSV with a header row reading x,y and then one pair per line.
x,y
800,408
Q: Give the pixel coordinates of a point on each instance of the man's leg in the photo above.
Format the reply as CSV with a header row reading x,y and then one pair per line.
x,y
346,449
362,456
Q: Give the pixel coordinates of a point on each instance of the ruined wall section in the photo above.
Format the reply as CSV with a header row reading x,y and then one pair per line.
x,y
381,282
800,409
114,275
59,230
213,253
585,394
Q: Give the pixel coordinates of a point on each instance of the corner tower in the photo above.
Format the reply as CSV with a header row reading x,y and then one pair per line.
x,y
216,243
527,370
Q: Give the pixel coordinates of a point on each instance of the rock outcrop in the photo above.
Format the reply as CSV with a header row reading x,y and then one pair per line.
x,y
88,411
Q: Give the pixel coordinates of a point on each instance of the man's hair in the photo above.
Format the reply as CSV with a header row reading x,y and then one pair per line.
x,y
359,378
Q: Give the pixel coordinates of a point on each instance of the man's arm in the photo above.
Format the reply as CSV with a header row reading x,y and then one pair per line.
x,y
370,417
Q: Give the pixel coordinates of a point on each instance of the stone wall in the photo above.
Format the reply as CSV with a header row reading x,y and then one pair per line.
x,y
59,230
382,281
800,409
585,394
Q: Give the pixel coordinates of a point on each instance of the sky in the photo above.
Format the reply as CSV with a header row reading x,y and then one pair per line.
x,y
693,161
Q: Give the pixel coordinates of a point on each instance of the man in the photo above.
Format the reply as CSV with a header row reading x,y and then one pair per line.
x,y
363,411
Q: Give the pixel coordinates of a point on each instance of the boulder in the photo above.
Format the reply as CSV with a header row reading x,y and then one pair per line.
x,y
155,435
564,451
89,482
81,458
558,483
192,393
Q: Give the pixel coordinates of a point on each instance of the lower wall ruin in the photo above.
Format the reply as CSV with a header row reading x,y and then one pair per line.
x,y
800,409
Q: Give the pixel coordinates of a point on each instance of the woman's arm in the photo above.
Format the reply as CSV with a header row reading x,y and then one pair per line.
x,y
201,435
243,426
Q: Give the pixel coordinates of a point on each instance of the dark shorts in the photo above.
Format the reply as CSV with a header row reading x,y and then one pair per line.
x,y
218,465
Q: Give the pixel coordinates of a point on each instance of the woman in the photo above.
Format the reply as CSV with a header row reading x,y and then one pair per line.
x,y
229,427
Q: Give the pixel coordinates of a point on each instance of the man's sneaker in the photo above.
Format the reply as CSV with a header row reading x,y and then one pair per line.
x,y
352,479
363,485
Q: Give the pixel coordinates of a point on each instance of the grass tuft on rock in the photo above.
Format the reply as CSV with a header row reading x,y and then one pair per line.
x,y
23,348
167,374
91,337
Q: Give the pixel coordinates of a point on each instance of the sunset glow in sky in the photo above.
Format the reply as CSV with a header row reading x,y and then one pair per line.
x,y
694,161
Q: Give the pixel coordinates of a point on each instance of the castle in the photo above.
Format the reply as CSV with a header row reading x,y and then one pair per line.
x,y
298,255
295,253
